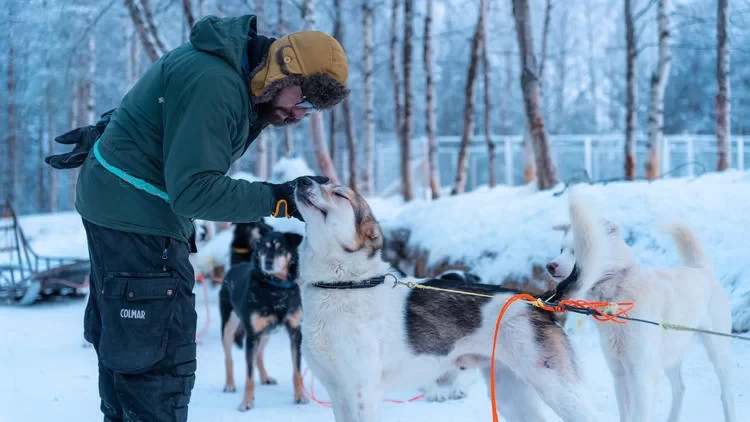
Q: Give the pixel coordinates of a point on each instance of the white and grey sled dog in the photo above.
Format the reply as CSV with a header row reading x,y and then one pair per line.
x,y
596,264
362,337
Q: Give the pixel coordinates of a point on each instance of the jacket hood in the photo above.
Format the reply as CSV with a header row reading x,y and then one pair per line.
x,y
224,37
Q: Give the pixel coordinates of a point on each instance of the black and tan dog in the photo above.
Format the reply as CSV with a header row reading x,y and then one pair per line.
x,y
246,235
256,298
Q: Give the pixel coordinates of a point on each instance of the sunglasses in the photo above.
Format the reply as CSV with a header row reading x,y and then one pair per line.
x,y
307,105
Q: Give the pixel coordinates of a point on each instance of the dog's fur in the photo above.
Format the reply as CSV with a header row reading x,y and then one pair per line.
x,y
362,342
598,265
246,235
260,296
457,379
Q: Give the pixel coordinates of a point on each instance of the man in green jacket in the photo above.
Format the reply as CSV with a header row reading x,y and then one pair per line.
x,y
160,162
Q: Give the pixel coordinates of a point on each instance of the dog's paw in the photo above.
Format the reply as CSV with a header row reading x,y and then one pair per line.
x,y
268,381
301,399
435,396
245,406
230,388
458,394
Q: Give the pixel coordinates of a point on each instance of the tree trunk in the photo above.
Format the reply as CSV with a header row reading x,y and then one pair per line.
x,y
332,146
273,155
399,118
201,9
51,132
351,144
529,163
488,106
368,81
546,171
631,114
90,82
468,131
261,160
74,121
545,37
504,101
658,86
408,122
12,165
151,25
187,8
281,31
562,71
281,27
317,127
150,44
723,103
593,88
432,147
42,165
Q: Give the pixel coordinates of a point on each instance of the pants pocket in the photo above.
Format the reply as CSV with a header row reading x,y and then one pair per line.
x,y
136,310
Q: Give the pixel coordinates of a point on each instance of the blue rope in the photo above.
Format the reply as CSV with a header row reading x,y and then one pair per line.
x,y
138,183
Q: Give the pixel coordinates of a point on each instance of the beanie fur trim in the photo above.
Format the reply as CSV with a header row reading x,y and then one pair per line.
x,y
320,89
323,91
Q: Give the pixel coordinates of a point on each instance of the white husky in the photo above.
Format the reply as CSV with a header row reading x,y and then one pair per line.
x,y
362,337
596,264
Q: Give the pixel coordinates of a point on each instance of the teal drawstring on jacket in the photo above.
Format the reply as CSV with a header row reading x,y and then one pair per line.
x,y
138,183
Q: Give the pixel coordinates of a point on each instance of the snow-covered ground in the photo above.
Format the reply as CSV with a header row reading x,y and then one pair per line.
x,y
47,375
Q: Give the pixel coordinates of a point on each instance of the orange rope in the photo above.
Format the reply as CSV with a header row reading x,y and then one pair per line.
x,y
311,394
603,311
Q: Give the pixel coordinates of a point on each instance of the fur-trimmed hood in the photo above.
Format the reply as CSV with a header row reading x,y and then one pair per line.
x,y
311,59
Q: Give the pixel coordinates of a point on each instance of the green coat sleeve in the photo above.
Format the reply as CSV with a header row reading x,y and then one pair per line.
x,y
202,115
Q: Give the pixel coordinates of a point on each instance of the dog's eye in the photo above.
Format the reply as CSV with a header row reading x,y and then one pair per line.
x,y
341,195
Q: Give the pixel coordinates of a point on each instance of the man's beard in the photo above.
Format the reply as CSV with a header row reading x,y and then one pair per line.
x,y
268,115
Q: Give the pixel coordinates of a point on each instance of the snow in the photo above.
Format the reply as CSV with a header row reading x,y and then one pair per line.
x,y
47,374
505,230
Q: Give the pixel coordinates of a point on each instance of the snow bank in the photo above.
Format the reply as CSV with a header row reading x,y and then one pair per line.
x,y
506,230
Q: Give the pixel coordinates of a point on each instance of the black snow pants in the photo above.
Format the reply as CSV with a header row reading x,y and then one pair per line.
x,y
141,319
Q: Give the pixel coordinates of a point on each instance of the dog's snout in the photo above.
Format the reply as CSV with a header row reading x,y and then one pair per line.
x,y
305,181
552,267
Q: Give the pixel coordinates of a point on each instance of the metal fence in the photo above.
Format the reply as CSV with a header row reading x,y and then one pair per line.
x,y
601,156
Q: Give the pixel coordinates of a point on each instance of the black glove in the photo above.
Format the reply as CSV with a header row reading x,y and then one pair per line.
x,y
83,138
283,193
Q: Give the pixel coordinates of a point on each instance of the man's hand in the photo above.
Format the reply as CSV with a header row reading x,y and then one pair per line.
x,y
284,204
83,138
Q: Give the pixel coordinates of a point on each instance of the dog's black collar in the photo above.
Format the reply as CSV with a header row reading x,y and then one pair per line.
x,y
358,284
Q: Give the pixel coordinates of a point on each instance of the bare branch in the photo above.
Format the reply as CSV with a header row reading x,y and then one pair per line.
x,y
639,14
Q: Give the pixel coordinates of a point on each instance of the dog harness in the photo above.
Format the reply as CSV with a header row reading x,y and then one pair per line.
x,y
136,182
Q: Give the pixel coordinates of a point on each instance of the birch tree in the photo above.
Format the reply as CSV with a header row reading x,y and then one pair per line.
x,y
261,159
723,103
432,148
488,105
546,171
658,86
631,92
281,31
369,98
468,130
317,127
408,122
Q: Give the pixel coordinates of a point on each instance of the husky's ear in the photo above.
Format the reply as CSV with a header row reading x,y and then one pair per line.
x,y
293,239
371,235
612,228
564,227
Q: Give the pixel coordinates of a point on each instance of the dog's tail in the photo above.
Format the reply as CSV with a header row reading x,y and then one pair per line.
x,y
691,250
590,244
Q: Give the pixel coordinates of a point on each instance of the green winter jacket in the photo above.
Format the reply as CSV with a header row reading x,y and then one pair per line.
x,y
180,128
